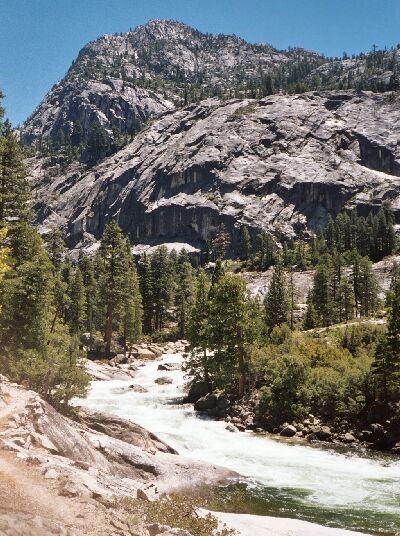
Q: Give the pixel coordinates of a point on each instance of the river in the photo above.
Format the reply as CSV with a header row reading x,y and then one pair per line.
x,y
282,478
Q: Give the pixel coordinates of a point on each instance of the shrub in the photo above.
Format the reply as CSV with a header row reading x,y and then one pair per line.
x,y
303,375
55,373
177,511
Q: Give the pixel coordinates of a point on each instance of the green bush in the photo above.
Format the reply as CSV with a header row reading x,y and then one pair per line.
x,y
175,510
56,373
306,375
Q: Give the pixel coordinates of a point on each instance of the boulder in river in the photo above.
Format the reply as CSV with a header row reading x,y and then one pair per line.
x,y
169,366
163,380
198,390
324,433
288,431
206,403
349,438
144,353
138,388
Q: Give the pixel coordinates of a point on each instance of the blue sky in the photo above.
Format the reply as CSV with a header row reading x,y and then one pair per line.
x,y
40,38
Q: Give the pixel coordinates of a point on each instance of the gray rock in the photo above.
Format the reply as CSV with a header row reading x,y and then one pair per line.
x,y
120,457
156,528
140,352
148,493
349,438
288,431
122,429
198,390
284,161
324,433
138,388
208,402
103,86
223,402
169,366
163,380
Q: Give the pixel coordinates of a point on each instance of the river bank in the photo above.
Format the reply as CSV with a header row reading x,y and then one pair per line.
x,y
88,464
241,415
313,483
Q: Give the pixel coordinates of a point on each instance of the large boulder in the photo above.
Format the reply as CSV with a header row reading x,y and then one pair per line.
x,y
138,388
324,433
206,403
288,431
163,380
140,352
122,429
197,390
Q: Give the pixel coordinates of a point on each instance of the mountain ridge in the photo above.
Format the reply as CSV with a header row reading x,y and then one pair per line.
x,y
174,64
153,129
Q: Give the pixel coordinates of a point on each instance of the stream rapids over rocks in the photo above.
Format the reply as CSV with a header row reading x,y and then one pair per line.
x,y
349,490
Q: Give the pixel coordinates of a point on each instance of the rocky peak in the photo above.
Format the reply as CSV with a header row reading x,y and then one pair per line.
x,y
118,82
165,64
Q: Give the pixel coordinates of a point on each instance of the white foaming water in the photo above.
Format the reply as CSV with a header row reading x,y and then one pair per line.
x,y
328,478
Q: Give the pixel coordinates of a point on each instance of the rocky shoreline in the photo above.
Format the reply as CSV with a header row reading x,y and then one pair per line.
x,y
241,415
92,458
96,458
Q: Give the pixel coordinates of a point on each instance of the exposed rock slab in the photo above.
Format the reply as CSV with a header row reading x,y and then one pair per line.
x,y
283,162
122,429
100,456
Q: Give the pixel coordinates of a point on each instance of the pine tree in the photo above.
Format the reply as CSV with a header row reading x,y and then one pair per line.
x,y
77,135
387,355
264,252
146,290
4,250
85,265
113,253
245,244
132,309
276,301
98,143
220,243
198,330
26,293
36,347
337,263
55,246
228,333
322,291
367,296
14,187
218,272
184,295
311,318
162,284
345,302
77,300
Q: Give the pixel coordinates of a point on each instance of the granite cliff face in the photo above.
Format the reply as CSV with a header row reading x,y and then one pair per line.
x,y
109,104
282,162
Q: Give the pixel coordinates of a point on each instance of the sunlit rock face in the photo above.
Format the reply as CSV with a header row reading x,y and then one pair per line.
x,y
282,163
120,81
